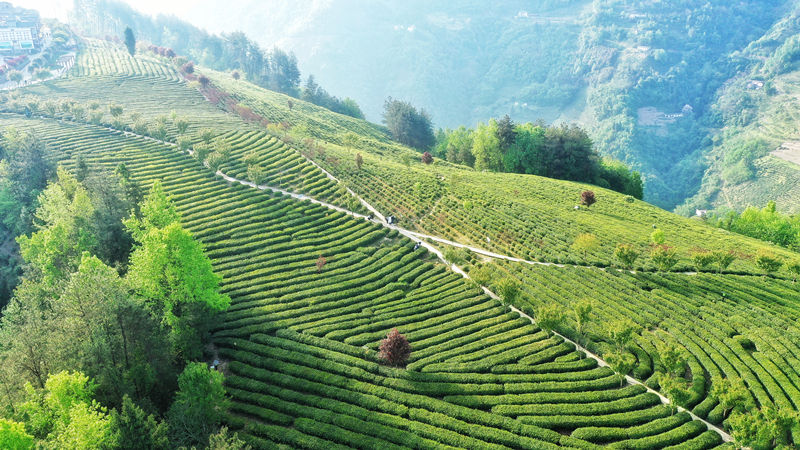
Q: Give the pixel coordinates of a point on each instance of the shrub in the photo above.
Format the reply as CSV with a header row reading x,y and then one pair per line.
x,y
395,349
723,259
627,255
664,257
549,316
794,268
427,158
767,261
359,160
188,67
508,289
585,242
701,259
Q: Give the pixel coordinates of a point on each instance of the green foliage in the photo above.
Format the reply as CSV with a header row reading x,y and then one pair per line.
x,y
723,259
767,261
13,436
181,125
172,274
314,93
64,414
626,254
672,358
765,428
622,362
130,41
620,333
115,110
586,243
675,388
701,259
224,440
766,224
486,147
256,174
794,268
582,311
664,257
24,170
508,289
138,430
549,316
658,237
731,393
198,407
407,125
157,211
64,220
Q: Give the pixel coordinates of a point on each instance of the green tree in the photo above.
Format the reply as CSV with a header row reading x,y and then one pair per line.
x,y
171,272
723,259
64,413
65,231
657,237
620,333
767,261
701,259
627,255
525,155
731,393
207,134
181,125
621,362
585,243
672,358
223,440
408,125
549,316
675,388
766,428
508,289
13,436
15,76
137,430
582,311
198,407
130,41
664,257
115,110
486,147
256,174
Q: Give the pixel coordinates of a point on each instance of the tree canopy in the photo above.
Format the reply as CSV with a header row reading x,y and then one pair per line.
x,y
408,125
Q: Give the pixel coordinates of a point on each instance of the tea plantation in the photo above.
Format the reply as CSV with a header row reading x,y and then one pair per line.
x,y
299,343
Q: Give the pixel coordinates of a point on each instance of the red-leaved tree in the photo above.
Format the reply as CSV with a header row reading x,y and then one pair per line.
x,y
395,349
587,198
427,158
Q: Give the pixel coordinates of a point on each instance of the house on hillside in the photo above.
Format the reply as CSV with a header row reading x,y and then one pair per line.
x,y
20,30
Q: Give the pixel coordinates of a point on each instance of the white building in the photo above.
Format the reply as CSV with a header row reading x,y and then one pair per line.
x,y
13,39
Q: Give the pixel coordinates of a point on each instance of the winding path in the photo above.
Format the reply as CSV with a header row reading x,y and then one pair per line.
x,y
379,218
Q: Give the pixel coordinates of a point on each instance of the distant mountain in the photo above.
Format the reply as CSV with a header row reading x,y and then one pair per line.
x,y
646,77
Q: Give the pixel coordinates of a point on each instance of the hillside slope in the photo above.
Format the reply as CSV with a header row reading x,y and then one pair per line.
x,y
300,339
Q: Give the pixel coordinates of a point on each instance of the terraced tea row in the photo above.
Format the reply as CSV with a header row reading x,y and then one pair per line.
x,y
296,334
731,326
524,216
105,58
